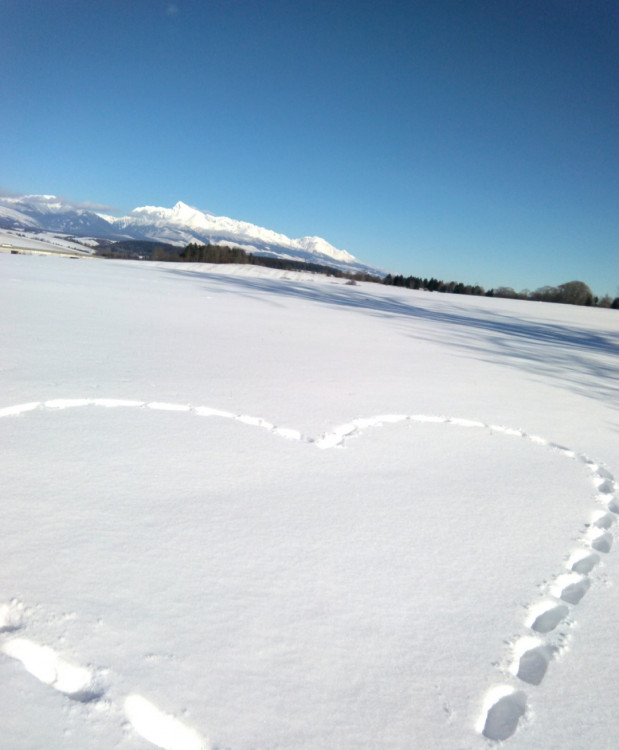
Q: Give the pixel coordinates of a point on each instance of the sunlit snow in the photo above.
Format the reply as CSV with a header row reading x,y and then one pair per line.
x,y
247,508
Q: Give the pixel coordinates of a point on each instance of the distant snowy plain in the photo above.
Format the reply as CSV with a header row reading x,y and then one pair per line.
x,y
249,509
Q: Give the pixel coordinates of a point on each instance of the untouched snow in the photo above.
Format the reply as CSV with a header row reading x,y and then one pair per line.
x,y
248,509
44,242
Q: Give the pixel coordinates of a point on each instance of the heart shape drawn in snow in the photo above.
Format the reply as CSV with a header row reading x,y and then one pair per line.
x,y
280,578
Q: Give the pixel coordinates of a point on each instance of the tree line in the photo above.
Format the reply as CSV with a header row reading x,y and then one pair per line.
x,y
570,293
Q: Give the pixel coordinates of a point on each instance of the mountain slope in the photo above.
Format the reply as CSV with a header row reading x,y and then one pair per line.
x,y
50,214
179,225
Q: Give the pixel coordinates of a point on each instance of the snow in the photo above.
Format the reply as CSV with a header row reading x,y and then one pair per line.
x,y
17,217
45,242
318,245
248,508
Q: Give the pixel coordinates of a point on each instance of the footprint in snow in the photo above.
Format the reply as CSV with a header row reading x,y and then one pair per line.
x,y
47,666
531,659
603,519
163,730
606,487
545,616
504,709
571,587
601,540
583,562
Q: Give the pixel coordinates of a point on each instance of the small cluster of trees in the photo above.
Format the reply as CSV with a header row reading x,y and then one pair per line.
x,y
137,250
433,285
570,293
195,253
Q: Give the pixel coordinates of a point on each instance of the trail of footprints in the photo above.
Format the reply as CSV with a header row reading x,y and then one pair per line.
x,y
531,654
86,685
549,618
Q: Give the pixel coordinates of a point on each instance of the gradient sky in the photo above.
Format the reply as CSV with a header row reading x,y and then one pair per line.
x,y
474,140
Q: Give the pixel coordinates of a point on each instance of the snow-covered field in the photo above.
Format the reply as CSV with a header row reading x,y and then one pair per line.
x,y
42,242
246,509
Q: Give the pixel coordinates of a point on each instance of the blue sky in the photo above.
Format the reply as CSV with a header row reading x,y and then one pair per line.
x,y
475,140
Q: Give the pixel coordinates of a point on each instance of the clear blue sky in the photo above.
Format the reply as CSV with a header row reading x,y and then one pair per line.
x,y
475,140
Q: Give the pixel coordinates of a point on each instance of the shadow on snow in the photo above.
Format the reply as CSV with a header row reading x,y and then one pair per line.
x,y
574,356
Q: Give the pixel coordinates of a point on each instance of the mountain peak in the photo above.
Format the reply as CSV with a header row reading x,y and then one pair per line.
x,y
188,216
183,208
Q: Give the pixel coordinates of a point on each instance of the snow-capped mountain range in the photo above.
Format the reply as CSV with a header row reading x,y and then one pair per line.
x,y
179,225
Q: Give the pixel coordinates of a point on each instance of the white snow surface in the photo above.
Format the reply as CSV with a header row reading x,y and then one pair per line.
x,y
250,509
46,242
